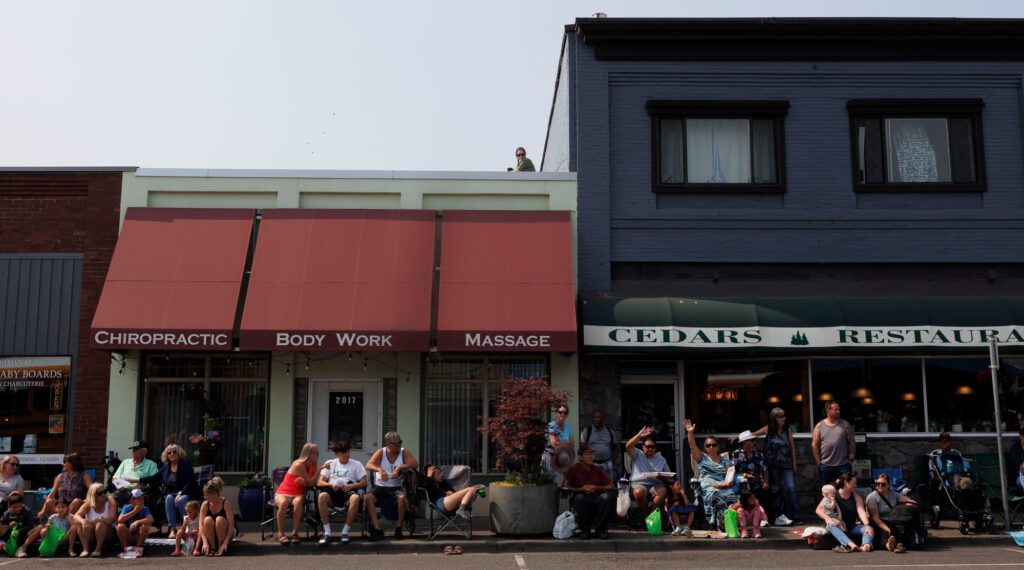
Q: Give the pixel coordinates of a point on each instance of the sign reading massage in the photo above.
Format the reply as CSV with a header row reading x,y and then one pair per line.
x,y
807,337
22,373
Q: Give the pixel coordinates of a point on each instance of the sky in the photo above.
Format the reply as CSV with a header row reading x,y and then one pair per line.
x,y
304,84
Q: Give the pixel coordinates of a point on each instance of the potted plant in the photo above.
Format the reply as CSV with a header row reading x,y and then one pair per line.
x,y
205,446
884,418
524,503
252,492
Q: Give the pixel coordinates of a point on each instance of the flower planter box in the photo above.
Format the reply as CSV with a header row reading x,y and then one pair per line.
x,y
522,510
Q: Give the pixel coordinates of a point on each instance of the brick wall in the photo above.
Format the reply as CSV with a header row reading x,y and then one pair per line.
x,y
70,212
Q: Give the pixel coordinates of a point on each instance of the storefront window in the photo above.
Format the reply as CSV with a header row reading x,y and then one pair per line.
x,y
726,398
875,395
458,401
959,395
33,403
219,420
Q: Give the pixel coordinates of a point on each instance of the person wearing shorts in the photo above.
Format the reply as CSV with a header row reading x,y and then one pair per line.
x,y
340,481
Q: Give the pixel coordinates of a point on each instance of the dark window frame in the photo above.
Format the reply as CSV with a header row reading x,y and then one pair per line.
x,y
682,110
860,109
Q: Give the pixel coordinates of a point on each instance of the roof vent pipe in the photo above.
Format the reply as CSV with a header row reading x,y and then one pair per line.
x,y
599,15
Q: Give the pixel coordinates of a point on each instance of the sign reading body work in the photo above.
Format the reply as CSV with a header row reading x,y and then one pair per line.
x,y
802,323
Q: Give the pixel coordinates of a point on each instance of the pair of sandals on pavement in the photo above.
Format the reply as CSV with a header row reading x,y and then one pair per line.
x,y
891,545
286,540
452,549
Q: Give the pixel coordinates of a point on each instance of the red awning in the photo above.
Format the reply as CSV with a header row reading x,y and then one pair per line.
x,y
174,280
506,282
341,280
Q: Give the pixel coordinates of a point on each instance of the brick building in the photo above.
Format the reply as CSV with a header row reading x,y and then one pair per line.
x,y
58,227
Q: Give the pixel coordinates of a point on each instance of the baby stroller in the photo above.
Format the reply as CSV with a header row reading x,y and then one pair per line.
x,y
955,488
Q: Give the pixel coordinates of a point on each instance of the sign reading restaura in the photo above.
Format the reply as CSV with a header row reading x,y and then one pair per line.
x,y
798,338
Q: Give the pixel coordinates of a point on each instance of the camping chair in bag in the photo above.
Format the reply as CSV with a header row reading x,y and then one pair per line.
x,y
458,476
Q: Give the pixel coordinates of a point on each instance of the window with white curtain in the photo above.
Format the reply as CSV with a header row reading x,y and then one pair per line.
x,y
218,397
931,145
458,397
705,145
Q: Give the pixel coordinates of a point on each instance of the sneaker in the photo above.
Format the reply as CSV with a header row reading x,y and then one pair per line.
x,y
899,549
783,520
463,512
603,535
345,539
764,523
21,553
744,533
398,533
842,549
757,533
585,535
376,534
686,531
325,540
678,531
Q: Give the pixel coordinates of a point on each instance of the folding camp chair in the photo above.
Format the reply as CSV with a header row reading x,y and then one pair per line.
x,y
310,518
458,477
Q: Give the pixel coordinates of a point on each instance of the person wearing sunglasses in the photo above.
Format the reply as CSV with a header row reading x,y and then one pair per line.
x,y
94,520
10,480
646,463
556,434
713,468
390,464
880,503
523,164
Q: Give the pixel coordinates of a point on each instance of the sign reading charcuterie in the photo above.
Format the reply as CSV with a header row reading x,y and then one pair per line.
x,y
24,372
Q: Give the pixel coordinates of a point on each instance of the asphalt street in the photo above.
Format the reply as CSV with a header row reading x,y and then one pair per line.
x,y
967,557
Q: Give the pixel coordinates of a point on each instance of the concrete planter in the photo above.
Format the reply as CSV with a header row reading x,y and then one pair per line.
x,y
522,510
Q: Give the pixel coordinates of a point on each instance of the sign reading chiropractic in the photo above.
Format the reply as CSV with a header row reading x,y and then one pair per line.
x,y
103,338
806,337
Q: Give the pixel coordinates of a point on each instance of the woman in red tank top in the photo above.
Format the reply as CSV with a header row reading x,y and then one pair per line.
x,y
301,475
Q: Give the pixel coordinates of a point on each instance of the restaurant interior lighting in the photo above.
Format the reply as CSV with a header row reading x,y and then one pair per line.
x,y
825,396
798,397
862,392
868,401
909,397
965,390
774,400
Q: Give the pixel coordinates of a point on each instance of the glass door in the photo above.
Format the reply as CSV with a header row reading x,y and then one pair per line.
x,y
346,410
652,403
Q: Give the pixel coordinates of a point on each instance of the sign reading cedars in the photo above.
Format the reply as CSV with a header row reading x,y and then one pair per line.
x,y
807,337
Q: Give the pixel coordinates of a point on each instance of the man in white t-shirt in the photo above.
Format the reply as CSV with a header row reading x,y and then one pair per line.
x,y
340,481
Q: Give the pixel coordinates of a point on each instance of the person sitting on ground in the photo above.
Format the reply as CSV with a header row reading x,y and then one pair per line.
x,y
10,481
592,501
70,486
94,519
20,516
217,519
180,485
750,514
340,481
830,507
712,469
189,535
645,462
879,504
59,519
442,495
134,522
390,465
301,475
852,514
137,472
679,505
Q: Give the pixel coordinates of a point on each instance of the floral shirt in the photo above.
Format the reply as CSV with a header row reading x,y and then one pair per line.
x,y
776,450
752,463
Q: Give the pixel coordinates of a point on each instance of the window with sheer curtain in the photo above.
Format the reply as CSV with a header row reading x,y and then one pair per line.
x,y
917,145
458,398
704,146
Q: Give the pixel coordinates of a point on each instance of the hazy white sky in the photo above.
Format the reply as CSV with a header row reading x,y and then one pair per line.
x,y
304,84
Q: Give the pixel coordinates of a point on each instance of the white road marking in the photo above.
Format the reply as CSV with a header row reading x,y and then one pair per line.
x,y
10,562
1017,550
521,562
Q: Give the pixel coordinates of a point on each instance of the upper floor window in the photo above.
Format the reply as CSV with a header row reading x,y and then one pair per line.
x,y
917,145
713,146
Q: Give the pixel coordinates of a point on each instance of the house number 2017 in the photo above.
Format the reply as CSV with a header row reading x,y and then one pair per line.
x,y
344,400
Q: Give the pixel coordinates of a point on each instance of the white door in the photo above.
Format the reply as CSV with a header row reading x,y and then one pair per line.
x,y
346,410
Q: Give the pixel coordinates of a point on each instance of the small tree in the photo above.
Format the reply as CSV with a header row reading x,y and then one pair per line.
x,y
517,427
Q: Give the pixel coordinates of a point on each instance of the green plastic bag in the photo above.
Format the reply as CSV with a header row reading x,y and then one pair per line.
x,y
11,548
732,523
50,542
654,523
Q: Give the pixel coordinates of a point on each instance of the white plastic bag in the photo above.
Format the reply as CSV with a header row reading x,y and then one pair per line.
x,y
622,503
565,525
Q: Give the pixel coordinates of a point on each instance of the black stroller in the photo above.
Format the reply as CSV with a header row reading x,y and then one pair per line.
x,y
955,488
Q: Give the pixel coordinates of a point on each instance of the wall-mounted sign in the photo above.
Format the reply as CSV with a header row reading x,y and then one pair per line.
x,y
24,372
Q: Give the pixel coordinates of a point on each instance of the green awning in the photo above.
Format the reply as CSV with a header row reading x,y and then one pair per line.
x,y
801,324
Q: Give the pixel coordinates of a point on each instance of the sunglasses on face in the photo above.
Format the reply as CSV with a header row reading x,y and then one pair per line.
x,y
395,442
563,412
710,445
520,154
650,447
14,465
880,483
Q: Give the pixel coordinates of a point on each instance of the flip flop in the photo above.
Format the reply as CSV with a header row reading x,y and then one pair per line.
x,y
447,550
284,540
295,539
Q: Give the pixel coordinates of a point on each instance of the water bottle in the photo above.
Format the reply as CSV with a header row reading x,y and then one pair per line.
x,y
949,465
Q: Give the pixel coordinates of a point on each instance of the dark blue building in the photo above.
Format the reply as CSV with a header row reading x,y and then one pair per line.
x,y
781,212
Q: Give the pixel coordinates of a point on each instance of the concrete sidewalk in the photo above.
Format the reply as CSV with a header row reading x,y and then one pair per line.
x,y
622,540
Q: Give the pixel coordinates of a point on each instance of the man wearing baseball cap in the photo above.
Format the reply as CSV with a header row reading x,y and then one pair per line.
x,y
134,522
135,470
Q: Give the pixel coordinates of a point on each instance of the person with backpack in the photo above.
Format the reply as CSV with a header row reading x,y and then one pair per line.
x,y
880,504
605,443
